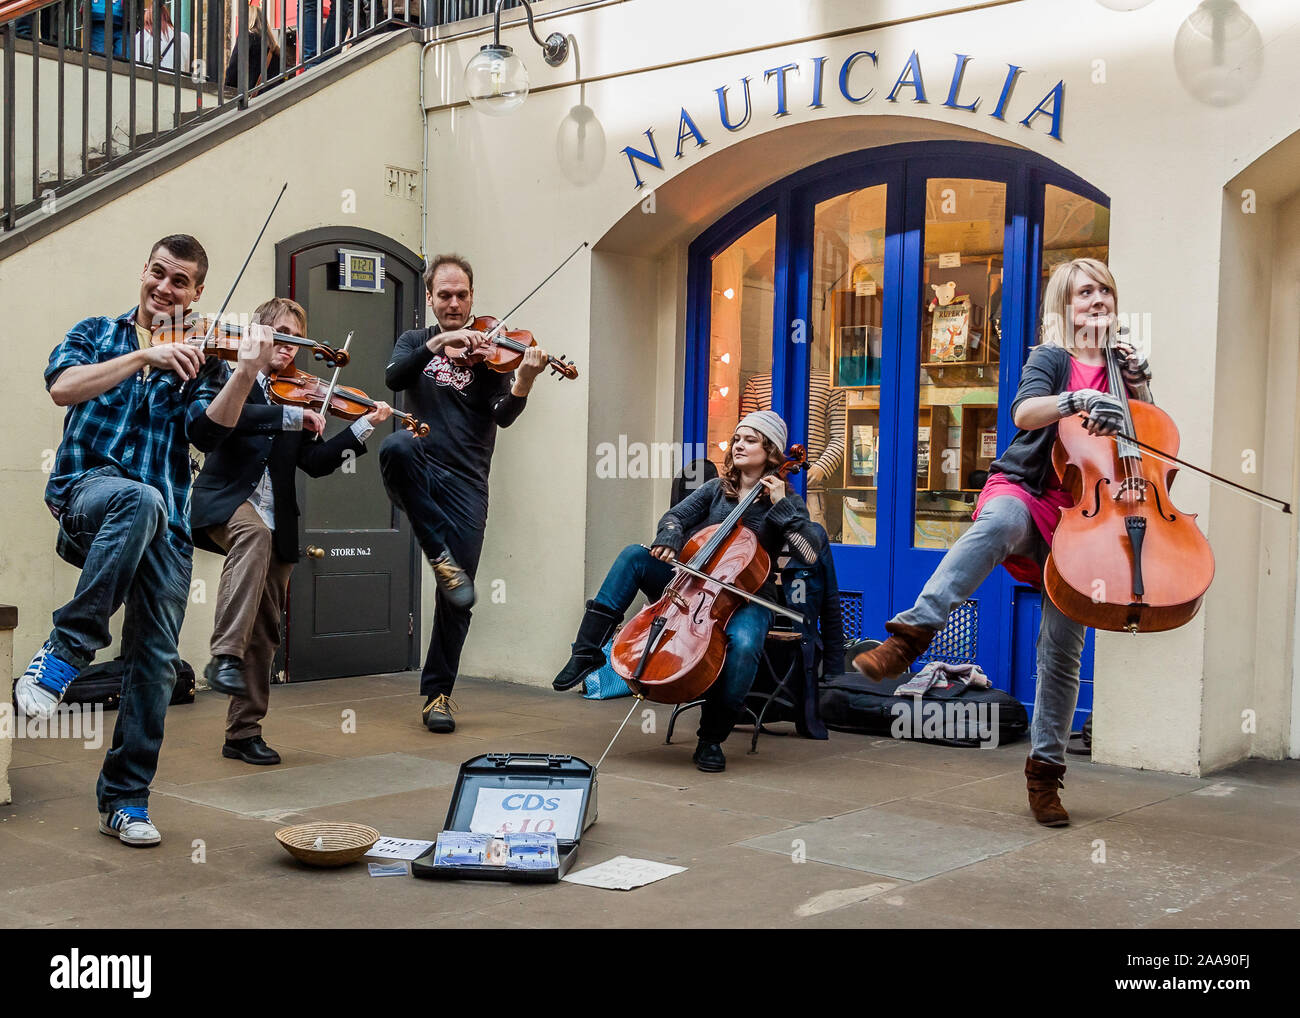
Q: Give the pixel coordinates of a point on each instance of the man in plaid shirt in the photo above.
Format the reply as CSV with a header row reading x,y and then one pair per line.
x,y
120,491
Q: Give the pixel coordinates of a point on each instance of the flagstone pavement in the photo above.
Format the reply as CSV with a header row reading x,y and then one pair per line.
x,y
856,832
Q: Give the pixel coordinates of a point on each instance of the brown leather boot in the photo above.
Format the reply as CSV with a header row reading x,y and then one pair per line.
x,y
894,656
1043,780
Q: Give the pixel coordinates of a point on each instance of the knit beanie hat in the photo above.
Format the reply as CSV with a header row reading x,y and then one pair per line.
x,y
769,425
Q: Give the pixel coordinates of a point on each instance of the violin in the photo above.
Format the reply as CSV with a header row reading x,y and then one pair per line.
x,y
507,349
222,340
300,389
674,649
1124,558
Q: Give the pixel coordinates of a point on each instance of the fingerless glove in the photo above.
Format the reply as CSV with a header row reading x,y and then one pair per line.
x,y
1101,407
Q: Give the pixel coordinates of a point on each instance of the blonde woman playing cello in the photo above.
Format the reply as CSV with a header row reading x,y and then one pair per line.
x,y
1020,506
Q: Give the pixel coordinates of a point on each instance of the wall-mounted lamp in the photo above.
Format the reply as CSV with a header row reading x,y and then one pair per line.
x,y
496,81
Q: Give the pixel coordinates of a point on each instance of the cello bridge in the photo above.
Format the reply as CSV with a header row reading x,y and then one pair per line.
x,y
678,601
1136,485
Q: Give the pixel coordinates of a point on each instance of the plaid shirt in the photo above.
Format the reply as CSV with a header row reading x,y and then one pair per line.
x,y
142,427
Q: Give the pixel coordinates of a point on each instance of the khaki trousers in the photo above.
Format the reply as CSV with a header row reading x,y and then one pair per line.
x,y
250,600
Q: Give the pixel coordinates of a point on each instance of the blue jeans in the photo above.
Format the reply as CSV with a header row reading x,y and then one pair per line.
x,y
1005,528
331,28
635,570
116,531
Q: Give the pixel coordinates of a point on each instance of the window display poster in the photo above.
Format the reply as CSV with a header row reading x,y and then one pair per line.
x,y
923,452
988,443
950,333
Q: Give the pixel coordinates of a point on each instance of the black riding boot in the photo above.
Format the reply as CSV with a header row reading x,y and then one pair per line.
x,y
596,626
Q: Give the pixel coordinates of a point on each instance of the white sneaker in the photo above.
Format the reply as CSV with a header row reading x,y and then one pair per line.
x,y
42,686
130,825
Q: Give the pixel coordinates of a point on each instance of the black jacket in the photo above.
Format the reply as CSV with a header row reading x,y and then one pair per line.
x,y
258,442
709,504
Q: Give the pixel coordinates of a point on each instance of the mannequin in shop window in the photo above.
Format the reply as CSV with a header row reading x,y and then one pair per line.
x,y
1020,506
826,437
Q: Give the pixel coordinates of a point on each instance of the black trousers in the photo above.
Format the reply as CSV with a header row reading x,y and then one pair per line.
x,y
447,513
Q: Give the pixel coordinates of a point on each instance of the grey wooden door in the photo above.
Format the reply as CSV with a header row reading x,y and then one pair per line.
x,y
353,605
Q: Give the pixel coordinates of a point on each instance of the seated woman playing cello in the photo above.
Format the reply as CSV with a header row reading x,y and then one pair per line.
x,y
779,515
1020,506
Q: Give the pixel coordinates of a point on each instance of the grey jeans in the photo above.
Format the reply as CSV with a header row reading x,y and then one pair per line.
x,y
1005,528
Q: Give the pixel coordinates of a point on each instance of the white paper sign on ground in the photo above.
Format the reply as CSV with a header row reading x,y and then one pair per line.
x,y
398,848
521,811
623,873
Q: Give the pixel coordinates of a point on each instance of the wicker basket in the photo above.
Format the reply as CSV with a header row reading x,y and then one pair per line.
x,y
340,844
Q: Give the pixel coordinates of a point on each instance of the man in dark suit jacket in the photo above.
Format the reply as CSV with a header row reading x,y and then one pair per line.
x,y
244,506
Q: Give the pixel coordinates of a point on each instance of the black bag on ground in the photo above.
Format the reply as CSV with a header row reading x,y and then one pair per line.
x,y
853,703
102,683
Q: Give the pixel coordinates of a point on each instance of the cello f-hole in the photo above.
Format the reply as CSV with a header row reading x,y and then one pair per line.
x,y
1096,499
699,615
1160,507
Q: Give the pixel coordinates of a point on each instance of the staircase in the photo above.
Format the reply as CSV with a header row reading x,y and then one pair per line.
x,y
81,101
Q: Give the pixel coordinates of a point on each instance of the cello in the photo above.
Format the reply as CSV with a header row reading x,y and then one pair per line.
x,y
674,649
1124,558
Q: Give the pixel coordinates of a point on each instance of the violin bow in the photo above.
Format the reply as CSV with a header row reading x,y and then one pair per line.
x,y
501,322
1269,500
334,380
212,327
770,606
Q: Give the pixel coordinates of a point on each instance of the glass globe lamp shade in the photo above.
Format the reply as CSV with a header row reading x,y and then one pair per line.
x,y
1124,5
496,81
1218,53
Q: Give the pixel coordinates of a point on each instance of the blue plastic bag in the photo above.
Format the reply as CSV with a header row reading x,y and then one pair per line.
x,y
605,683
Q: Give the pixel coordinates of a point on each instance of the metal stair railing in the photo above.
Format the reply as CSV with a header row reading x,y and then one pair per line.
x,y
63,129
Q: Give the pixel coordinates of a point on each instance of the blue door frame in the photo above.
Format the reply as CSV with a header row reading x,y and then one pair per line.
x,y
889,574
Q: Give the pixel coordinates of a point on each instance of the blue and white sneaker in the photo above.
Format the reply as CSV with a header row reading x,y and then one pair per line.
x,y
42,686
130,825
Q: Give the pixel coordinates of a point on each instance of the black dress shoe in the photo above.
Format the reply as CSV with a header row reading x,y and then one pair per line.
x,y
225,674
708,757
252,750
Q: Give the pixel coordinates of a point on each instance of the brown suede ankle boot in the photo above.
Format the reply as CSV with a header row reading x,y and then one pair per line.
x,y
894,656
1043,780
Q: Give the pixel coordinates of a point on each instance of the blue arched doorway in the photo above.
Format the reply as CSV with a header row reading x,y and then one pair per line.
x,y
883,302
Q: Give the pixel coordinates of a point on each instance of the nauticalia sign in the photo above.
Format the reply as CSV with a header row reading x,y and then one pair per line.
x,y
817,79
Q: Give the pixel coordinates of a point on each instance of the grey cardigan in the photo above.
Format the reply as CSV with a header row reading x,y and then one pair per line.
x,y
1028,459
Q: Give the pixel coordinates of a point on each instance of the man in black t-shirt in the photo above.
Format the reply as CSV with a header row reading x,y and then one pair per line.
x,y
441,481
